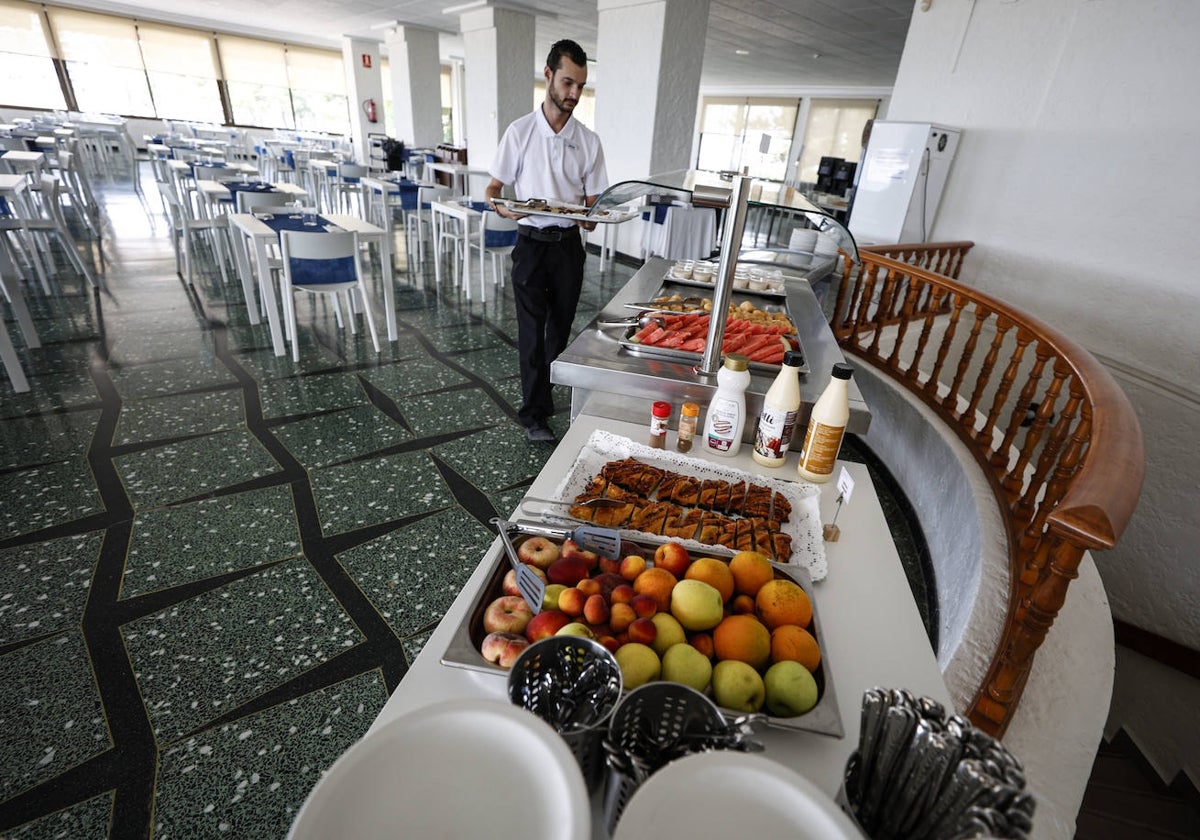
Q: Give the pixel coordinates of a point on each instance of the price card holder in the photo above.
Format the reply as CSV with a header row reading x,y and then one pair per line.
x,y
845,486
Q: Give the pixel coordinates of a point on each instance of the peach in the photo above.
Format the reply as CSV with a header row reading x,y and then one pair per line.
x,y
508,613
742,605
715,573
509,584
673,557
570,548
622,594
537,551
609,642
571,602
595,609
545,624
702,642
568,570
610,566
503,648
620,616
632,566
657,583
623,638
589,586
609,582
644,606
643,631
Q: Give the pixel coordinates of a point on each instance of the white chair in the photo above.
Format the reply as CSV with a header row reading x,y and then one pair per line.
x,y
249,201
497,238
346,187
184,223
322,263
47,221
420,219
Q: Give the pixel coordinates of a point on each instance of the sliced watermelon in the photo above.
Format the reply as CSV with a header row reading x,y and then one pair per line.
x,y
673,339
693,345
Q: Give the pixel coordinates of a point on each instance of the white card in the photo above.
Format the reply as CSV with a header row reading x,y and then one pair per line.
x,y
845,485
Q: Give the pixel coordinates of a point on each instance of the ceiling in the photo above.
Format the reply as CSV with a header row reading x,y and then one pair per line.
x,y
790,43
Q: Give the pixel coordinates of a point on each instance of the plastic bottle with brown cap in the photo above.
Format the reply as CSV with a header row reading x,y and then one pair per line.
x,y
727,412
826,427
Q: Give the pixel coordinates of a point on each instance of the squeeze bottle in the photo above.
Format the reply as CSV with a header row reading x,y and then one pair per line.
x,y
826,427
777,419
727,411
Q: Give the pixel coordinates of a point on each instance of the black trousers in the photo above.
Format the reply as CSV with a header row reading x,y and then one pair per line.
x,y
546,280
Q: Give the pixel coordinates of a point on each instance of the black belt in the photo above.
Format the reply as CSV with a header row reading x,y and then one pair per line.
x,y
547,234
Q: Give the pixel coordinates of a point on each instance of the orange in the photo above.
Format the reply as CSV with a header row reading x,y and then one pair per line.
x,y
658,584
744,638
782,602
795,643
750,571
713,572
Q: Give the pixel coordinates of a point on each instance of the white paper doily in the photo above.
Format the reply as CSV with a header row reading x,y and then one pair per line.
x,y
804,525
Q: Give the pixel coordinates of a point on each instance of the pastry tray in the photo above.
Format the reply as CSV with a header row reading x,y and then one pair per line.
x,y
575,212
463,650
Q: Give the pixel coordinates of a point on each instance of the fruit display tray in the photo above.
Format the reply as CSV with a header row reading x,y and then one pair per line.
x,y
463,650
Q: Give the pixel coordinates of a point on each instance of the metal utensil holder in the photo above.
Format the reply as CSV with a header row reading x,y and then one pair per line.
x,y
573,683
649,722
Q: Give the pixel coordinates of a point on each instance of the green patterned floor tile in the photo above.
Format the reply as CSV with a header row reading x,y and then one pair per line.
x,y
69,354
307,394
467,337
496,458
377,490
451,411
340,435
170,377
430,321
177,545
491,364
510,390
47,391
201,658
264,365
414,377
43,586
413,575
193,467
47,437
38,497
505,502
132,349
413,645
87,820
50,698
185,414
249,778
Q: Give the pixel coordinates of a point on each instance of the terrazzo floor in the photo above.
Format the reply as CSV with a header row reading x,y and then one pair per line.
x,y
216,564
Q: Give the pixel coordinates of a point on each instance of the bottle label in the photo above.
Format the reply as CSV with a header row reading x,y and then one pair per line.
x,y
774,432
722,424
658,425
821,446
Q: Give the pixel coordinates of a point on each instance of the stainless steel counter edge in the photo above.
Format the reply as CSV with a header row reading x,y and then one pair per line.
x,y
608,382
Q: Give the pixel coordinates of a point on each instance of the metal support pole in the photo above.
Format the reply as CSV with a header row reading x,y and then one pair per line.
x,y
735,224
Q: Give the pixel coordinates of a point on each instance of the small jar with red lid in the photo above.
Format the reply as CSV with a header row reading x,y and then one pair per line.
x,y
660,415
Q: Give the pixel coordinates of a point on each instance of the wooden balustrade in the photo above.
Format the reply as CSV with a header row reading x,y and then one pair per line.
x,y
1049,426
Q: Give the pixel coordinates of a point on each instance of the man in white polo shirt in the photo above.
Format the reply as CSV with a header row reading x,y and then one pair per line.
x,y
550,155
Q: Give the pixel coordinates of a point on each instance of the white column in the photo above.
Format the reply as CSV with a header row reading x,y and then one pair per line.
x,y
363,83
416,85
500,68
649,53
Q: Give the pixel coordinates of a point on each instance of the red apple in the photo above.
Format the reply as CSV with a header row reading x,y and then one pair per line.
x,y
570,548
643,630
589,586
609,642
621,616
632,566
610,566
508,613
568,570
702,642
622,594
609,583
673,557
510,580
571,602
644,605
545,624
537,551
503,648
595,609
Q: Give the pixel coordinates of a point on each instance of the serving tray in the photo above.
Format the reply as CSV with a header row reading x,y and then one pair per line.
x,y
576,212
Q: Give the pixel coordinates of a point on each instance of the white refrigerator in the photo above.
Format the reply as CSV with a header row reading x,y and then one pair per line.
x,y
900,182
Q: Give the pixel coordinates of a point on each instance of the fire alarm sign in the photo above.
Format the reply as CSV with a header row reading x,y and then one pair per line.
x,y
366,60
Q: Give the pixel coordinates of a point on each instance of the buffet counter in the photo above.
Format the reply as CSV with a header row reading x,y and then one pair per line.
x,y
606,380
873,632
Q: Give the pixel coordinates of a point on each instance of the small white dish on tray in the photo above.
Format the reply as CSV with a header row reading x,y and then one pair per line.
x,y
463,769
731,794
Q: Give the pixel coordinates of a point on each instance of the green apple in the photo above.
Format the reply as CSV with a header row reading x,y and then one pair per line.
x,y
682,663
697,605
670,632
576,628
550,596
738,686
639,664
791,689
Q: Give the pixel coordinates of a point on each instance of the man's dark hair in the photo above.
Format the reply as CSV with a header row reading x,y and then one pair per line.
x,y
568,48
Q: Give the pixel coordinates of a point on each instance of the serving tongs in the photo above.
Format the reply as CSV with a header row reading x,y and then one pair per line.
x,y
640,320
531,587
690,306
604,541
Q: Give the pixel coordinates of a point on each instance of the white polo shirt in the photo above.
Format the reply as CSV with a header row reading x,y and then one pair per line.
x,y
541,164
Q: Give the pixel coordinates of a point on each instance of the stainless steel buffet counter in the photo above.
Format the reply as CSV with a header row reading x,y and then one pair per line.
x,y
608,381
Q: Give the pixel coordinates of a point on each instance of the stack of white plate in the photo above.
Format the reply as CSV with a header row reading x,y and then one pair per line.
x,y
826,245
803,239
460,771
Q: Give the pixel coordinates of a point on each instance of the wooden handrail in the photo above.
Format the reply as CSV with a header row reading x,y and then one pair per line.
x,y
1056,436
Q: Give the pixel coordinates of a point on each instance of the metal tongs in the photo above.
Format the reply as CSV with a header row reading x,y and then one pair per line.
x,y
530,504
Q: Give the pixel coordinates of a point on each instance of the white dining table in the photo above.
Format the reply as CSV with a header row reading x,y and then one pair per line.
x,y
255,236
468,216
459,173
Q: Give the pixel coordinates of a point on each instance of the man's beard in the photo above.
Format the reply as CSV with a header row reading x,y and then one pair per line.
x,y
567,105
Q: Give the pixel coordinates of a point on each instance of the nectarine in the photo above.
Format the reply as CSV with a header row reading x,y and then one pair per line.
x,y
503,648
508,613
642,631
571,602
595,609
537,551
632,566
545,624
673,557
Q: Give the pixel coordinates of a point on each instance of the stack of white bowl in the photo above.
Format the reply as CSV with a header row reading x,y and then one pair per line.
x,y
826,245
803,239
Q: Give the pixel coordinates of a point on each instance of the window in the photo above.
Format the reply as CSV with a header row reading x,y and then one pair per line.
x,y
104,62
25,55
256,73
742,132
318,83
182,72
447,78
834,129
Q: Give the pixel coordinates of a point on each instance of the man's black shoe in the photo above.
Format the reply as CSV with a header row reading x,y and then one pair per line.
x,y
540,432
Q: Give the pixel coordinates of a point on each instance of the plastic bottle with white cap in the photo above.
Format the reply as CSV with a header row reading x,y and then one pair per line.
x,y
826,427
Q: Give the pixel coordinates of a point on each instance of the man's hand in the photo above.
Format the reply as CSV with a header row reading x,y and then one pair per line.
x,y
586,225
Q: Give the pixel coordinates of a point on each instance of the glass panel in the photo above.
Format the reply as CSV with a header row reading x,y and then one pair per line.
x,y
39,86
317,111
266,105
21,32
834,129
253,62
734,132
191,98
447,79
111,90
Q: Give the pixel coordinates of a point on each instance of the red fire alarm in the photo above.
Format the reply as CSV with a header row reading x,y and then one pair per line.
x,y
366,59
